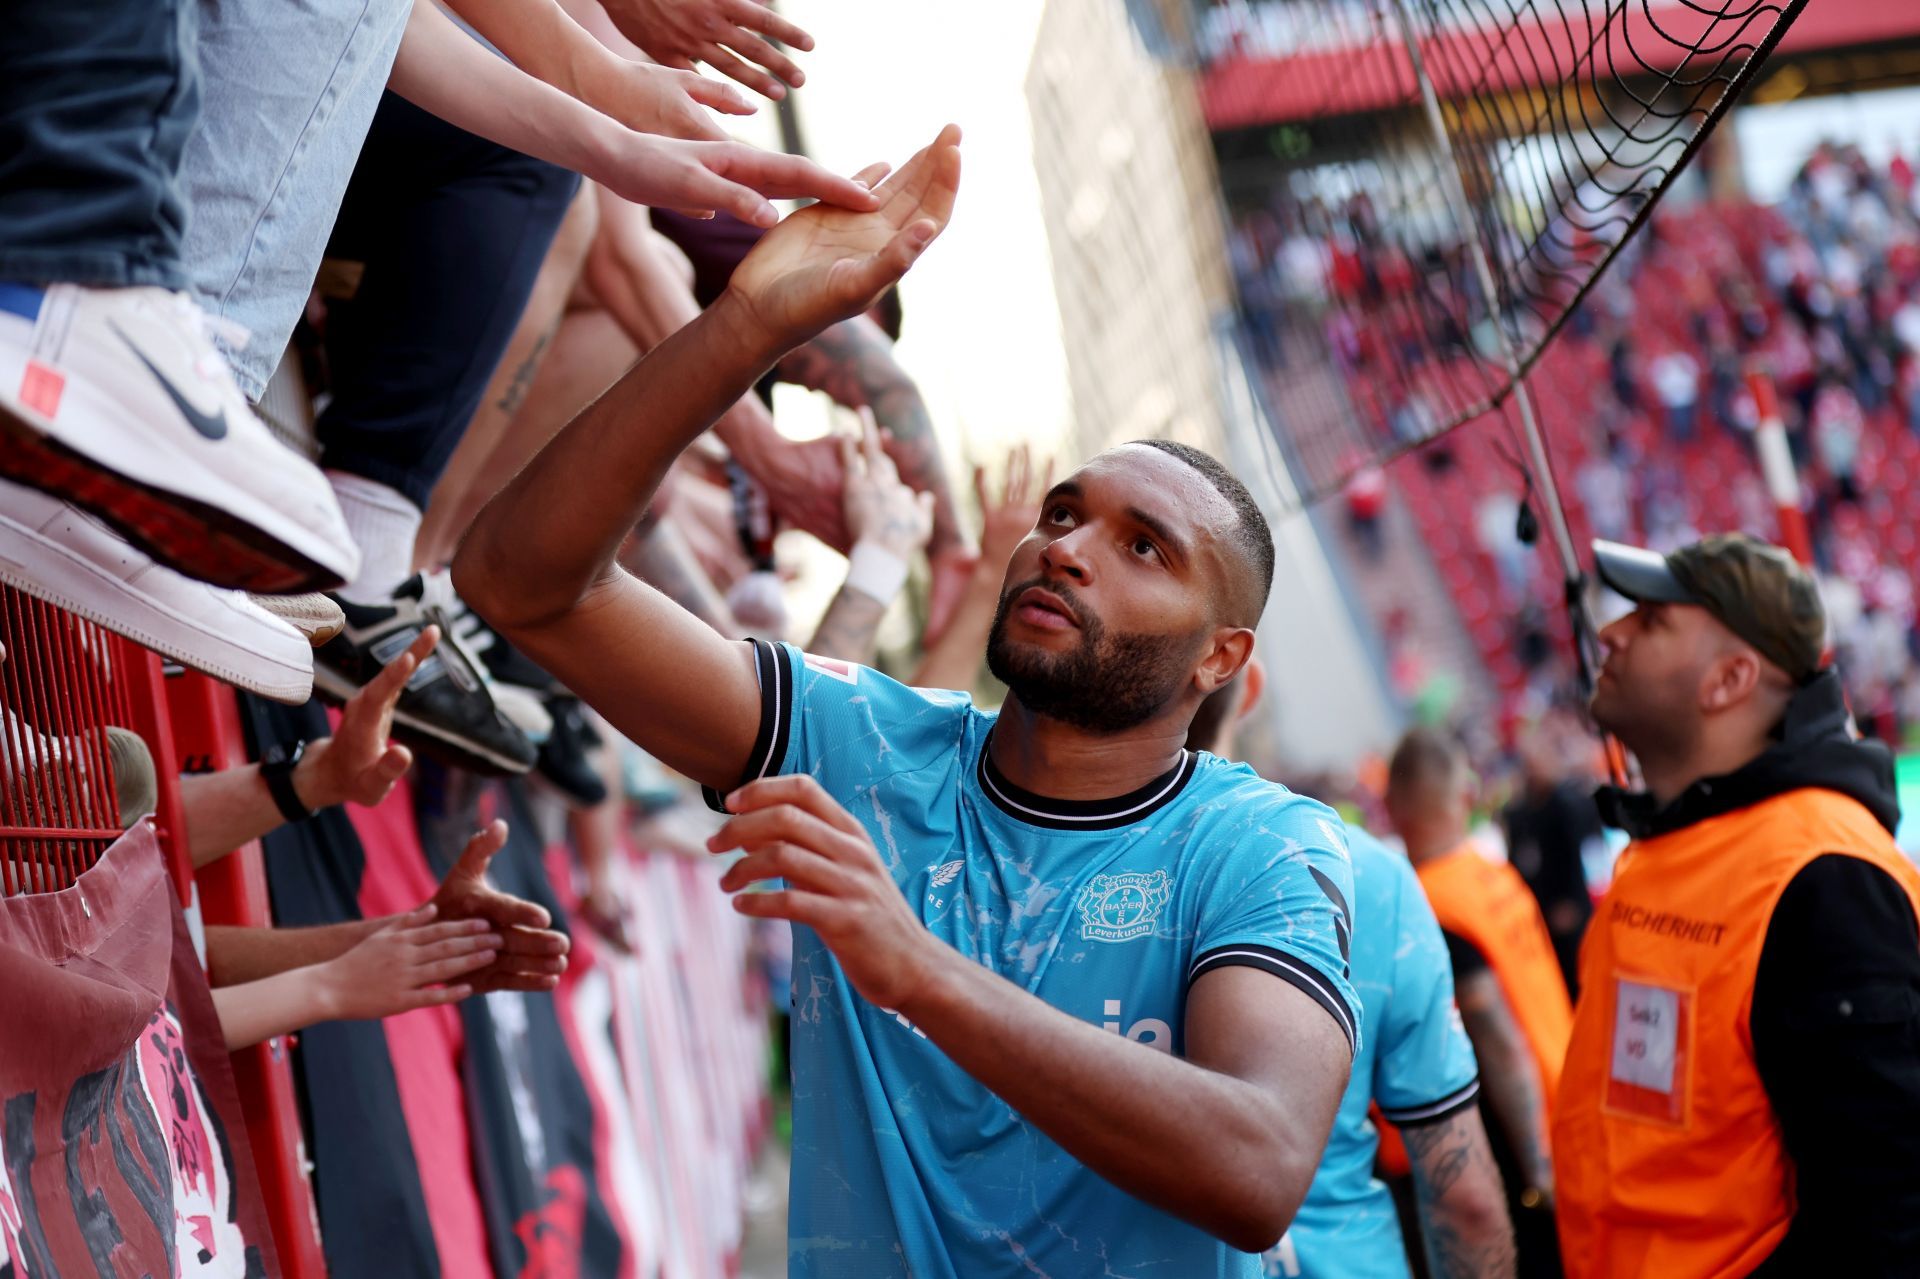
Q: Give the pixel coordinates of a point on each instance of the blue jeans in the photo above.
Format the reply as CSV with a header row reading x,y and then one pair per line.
x,y
291,88
442,234
105,180
97,100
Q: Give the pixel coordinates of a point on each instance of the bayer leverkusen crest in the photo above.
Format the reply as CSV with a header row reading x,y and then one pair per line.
x,y
1124,906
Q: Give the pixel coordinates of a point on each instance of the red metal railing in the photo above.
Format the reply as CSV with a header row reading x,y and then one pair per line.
x,y
233,890
63,682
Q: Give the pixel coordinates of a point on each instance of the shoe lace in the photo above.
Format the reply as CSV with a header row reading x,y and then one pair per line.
x,y
468,626
438,600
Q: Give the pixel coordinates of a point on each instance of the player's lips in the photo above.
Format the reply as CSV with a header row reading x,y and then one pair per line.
x,y
1040,607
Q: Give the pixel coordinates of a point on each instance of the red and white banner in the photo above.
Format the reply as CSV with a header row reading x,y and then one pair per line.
x,y
122,1149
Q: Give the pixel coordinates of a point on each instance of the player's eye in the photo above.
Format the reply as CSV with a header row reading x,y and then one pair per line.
x,y
1059,517
1143,546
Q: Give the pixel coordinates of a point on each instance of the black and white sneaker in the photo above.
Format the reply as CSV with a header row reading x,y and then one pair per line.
x,y
564,750
565,757
520,687
504,663
446,709
522,705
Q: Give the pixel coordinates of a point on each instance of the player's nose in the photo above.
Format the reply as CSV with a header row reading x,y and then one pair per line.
x,y
1067,556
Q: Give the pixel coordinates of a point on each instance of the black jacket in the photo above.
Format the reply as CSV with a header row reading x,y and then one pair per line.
x,y
1836,1002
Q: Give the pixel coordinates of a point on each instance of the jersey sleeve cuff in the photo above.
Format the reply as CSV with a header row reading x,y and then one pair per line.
x,y
775,673
1434,1111
1288,968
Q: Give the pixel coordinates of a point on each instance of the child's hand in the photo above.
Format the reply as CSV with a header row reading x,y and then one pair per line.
x,y
530,956
401,966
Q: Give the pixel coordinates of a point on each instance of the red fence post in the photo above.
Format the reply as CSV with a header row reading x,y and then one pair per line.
x,y
233,890
143,680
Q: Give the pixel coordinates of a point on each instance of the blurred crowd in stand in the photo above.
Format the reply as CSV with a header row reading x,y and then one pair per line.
x,y
1645,401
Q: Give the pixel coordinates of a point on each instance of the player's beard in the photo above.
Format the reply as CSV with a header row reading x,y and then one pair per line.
x,y
1108,683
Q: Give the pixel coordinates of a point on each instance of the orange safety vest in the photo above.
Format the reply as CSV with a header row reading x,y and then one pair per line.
x,y
1668,1158
1488,904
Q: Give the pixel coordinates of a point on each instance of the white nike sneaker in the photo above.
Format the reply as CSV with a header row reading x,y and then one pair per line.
x,y
115,399
55,552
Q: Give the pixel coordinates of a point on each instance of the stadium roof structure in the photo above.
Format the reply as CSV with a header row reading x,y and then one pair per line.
x,y
1522,46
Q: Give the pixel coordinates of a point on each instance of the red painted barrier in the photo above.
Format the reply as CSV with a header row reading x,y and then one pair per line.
x,y
233,890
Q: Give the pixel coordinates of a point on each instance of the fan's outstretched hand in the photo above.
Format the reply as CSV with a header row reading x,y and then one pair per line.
x,y
823,264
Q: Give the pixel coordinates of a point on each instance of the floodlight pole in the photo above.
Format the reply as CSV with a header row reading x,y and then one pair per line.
x,y
1456,193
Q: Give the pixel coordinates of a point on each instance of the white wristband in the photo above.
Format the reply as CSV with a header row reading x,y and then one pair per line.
x,y
876,572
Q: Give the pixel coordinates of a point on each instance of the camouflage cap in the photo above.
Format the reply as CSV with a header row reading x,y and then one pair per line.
x,y
1754,588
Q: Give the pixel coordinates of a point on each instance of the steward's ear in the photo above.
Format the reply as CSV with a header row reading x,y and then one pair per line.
x,y
1730,680
1232,647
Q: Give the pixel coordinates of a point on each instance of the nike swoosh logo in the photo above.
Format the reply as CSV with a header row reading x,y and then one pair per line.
x,y
212,426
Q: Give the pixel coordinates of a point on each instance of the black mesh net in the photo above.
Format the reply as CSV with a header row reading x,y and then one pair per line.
x,y
1354,221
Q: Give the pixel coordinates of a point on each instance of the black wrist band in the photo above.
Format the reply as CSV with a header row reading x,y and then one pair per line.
x,y
276,770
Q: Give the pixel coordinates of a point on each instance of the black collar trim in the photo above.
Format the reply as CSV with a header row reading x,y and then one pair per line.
x,y
1084,814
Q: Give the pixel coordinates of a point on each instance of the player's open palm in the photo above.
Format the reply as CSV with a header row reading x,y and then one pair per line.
x,y
823,264
791,829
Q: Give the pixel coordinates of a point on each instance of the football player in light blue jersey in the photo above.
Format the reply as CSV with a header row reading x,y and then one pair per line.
x,y
1069,999
1415,1062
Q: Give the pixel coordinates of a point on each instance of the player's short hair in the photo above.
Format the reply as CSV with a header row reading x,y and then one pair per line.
x,y
1252,539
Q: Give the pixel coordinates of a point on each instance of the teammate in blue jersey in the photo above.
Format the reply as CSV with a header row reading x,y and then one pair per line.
x,y
1415,1063
1069,999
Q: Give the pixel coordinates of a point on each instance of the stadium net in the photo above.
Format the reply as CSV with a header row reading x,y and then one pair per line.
x,y
1440,182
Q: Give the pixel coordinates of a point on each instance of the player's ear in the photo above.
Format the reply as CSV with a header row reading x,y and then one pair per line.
x,y
1232,646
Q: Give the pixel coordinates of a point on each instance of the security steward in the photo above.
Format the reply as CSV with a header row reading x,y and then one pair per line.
x,y
1511,996
1742,1091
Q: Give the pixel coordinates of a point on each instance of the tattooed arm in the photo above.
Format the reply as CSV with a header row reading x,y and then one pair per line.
x,y
1509,1078
852,364
1463,1209
850,628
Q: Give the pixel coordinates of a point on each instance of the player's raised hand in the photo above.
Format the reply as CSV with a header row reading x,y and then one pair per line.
x,y
822,265
792,829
